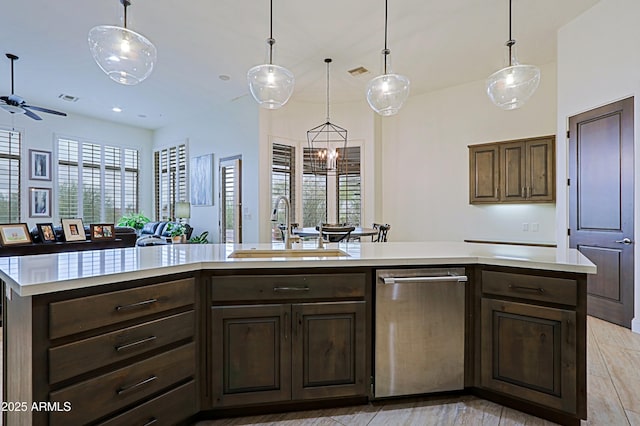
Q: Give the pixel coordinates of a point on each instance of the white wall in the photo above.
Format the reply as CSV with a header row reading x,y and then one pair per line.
x,y
230,131
41,135
425,164
599,63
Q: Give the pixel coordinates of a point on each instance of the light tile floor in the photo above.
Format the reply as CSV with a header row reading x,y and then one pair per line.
x,y
613,396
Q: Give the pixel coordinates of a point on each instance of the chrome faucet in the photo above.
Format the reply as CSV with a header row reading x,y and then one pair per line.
x,y
288,244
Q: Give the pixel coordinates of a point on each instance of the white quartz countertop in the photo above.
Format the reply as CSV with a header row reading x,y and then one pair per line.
x,y
47,273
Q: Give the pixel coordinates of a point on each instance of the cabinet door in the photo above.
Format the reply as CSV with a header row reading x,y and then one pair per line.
x,y
484,174
251,350
512,171
329,350
529,352
539,170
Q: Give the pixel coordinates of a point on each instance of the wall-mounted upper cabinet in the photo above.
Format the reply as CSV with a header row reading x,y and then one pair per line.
x,y
518,171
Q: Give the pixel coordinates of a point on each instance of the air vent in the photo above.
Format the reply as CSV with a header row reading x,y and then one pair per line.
x,y
68,98
358,71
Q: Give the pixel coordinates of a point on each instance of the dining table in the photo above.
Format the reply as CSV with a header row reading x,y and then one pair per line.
x,y
313,232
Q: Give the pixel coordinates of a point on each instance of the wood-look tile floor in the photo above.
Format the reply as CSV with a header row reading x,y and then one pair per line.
x,y
613,396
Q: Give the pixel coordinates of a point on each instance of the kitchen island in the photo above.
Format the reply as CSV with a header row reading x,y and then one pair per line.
x,y
174,333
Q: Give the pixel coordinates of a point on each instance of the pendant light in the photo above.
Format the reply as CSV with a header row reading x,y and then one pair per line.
x,y
126,56
324,142
270,85
512,86
387,93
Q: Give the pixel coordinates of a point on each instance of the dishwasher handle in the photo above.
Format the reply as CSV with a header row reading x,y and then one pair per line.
x,y
399,280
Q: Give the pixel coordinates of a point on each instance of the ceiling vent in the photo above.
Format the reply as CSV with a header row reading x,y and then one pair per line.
x,y
356,72
68,98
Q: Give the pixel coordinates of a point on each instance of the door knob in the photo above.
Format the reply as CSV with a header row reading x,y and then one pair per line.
x,y
624,241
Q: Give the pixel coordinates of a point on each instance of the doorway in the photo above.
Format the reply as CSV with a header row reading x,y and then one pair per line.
x,y
601,206
231,199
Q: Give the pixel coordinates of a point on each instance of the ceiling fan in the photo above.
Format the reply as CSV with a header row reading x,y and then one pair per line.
x,y
17,105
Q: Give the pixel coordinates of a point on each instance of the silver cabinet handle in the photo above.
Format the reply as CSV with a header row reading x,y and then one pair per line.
x,y
125,389
394,280
624,241
152,421
305,288
135,305
136,343
522,288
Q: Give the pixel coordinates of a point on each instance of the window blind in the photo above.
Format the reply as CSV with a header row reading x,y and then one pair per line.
x,y
10,141
170,180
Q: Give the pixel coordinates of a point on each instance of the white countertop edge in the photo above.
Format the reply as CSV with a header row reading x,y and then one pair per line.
x,y
289,263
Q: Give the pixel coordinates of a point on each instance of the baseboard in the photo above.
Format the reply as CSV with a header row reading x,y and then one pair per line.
x,y
635,325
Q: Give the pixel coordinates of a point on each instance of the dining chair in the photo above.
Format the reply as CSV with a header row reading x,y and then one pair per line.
x,y
381,236
335,234
282,227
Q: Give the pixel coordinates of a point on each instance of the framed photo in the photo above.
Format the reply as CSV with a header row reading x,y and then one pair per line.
x,y
14,233
73,230
46,232
103,231
201,180
39,165
39,202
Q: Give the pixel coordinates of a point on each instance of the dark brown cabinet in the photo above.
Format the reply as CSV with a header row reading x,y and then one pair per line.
x,y
520,171
280,352
529,346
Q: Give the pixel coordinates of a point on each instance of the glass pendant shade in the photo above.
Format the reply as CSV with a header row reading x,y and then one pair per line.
x,y
124,55
271,85
387,93
510,87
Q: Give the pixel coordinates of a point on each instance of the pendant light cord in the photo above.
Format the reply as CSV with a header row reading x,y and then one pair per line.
x,y
125,4
386,51
271,41
328,61
511,41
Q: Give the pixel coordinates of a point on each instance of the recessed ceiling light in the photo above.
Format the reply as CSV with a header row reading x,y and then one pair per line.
x,y
142,116
224,77
116,109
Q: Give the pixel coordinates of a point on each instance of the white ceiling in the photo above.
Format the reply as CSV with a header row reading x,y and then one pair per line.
x,y
435,43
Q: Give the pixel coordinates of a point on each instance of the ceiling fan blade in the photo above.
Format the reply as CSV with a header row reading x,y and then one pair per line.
x,y
48,111
31,114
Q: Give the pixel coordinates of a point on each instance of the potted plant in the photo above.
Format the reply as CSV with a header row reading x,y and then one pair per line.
x,y
135,221
177,231
200,239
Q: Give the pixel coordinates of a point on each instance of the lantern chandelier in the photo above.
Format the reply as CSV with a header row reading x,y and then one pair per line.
x,y
510,87
324,142
387,93
126,56
270,85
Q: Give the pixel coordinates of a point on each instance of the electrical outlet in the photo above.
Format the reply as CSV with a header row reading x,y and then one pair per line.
x,y
525,226
535,227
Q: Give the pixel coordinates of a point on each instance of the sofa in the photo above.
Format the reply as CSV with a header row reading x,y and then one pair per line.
x,y
161,232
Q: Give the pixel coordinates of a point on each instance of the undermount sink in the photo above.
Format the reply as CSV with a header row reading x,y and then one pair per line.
x,y
266,253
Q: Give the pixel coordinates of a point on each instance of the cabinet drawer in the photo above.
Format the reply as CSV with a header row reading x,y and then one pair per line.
x,y
532,287
104,394
86,313
167,409
287,287
75,358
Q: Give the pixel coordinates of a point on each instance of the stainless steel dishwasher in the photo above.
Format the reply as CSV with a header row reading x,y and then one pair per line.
x,y
419,331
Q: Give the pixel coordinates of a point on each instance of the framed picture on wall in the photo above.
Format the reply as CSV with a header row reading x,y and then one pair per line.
x,y
39,165
201,180
73,230
39,202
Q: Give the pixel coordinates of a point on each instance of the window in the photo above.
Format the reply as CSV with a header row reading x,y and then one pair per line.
x,y
107,177
170,180
338,193
10,141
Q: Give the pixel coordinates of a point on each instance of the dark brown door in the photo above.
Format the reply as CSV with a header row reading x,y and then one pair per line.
x,y
601,205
